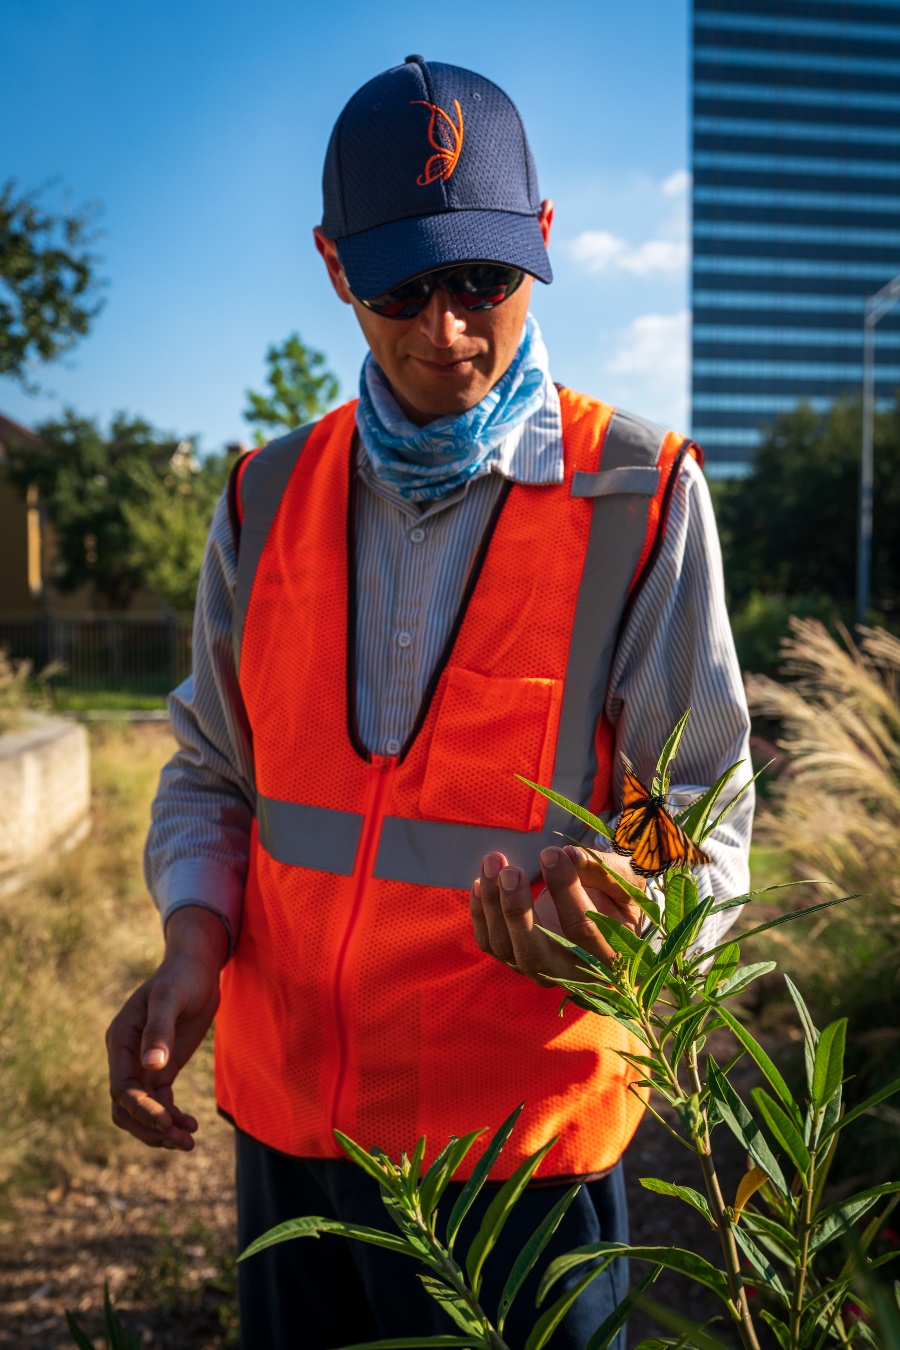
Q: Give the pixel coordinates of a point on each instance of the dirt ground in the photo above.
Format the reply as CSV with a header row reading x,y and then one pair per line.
x,y
159,1229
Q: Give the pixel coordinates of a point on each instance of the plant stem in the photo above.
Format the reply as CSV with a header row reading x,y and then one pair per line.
x,y
448,1270
806,1212
723,1223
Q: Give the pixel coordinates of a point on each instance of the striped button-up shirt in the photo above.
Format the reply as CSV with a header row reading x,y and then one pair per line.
x,y
412,562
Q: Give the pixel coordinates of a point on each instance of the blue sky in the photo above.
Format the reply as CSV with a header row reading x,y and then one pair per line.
x,y
201,128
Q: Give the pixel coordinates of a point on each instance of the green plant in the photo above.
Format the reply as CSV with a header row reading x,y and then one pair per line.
x,y
115,1335
20,690
669,994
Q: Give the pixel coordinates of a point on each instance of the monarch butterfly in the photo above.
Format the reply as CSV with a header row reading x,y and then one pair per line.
x,y
647,833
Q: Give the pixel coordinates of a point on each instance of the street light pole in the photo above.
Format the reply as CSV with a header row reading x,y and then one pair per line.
x,y
876,307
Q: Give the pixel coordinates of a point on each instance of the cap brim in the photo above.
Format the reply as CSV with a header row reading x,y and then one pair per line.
x,y
379,259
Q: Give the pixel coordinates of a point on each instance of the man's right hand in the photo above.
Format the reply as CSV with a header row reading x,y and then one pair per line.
x,y
160,1027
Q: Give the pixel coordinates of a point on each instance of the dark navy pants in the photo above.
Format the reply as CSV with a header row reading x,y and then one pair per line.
x,y
327,1292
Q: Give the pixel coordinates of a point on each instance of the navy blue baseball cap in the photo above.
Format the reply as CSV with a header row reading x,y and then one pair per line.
x,y
428,165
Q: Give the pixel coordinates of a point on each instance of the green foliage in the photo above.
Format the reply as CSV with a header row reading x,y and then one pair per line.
x,y
48,283
793,520
663,990
169,527
126,505
115,1335
301,388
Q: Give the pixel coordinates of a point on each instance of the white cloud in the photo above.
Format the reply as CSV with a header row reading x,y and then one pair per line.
x,y
599,250
655,256
676,184
651,364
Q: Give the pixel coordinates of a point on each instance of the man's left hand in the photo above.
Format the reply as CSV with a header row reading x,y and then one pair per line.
x,y
507,920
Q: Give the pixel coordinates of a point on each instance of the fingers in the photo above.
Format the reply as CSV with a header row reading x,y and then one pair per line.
x,y
141,1069
165,1005
602,888
572,901
495,936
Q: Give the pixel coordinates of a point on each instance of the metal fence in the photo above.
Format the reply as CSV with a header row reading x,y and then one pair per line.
x,y
136,654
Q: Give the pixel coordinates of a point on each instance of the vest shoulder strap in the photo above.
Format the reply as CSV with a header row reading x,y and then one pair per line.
x,y
259,477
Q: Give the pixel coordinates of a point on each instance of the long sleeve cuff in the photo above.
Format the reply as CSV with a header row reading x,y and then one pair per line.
x,y
206,883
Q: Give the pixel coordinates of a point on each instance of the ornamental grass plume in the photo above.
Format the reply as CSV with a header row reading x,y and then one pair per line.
x,y
837,808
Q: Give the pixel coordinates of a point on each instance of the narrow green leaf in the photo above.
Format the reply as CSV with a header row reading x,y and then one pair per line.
x,y
695,818
383,1173
881,1095
441,1171
693,1336
741,1123
784,918
713,825
548,1321
77,1334
454,1306
784,1129
740,900
828,1069
653,986
673,1258
835,1220
763,1062
746,975
312,1227
686,932
497,1213
468,1342
810,1033
669,751
722,969
781,1330
596,824
610,1326
685,1193
591,962
682,896
640,898
415,1166
760,1262
529,1254
479,1176
774,1236
686,1033
620,938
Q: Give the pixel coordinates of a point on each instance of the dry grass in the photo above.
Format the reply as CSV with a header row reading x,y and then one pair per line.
x,y
72,945
835,814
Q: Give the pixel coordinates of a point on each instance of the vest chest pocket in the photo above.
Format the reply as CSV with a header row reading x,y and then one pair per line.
x,y
487,730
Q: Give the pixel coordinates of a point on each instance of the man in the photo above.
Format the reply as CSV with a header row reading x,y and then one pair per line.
x,y
466,575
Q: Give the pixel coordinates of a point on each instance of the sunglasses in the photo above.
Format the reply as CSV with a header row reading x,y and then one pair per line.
x,y
474,286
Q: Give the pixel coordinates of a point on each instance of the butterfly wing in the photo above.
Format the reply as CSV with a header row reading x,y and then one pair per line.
x,y
648,835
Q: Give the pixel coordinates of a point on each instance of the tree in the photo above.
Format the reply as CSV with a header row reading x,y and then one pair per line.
x,y
88,480
789,529
302,388
169,527
48,283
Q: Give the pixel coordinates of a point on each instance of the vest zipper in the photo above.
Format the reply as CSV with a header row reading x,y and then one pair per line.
x,y
383,770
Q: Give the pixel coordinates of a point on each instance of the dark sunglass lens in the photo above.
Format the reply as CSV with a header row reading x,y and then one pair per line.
x,y
403,302
483,285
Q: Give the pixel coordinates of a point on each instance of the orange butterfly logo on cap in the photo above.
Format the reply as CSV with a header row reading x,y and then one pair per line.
x,y
441,128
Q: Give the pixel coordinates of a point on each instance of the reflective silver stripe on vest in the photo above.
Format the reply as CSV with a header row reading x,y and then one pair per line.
x,y
262,488
612,482
442,853
618,527
309,836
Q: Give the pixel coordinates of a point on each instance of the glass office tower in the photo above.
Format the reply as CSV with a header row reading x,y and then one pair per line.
x,y
796,209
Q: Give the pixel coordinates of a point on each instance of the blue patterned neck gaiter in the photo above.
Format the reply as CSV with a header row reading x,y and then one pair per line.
x,y
424,463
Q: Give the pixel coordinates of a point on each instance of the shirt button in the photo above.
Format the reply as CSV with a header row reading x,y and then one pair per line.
x,y
393,747
417,535
404,639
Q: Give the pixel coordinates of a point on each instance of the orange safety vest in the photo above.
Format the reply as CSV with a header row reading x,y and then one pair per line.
x,y
356,997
